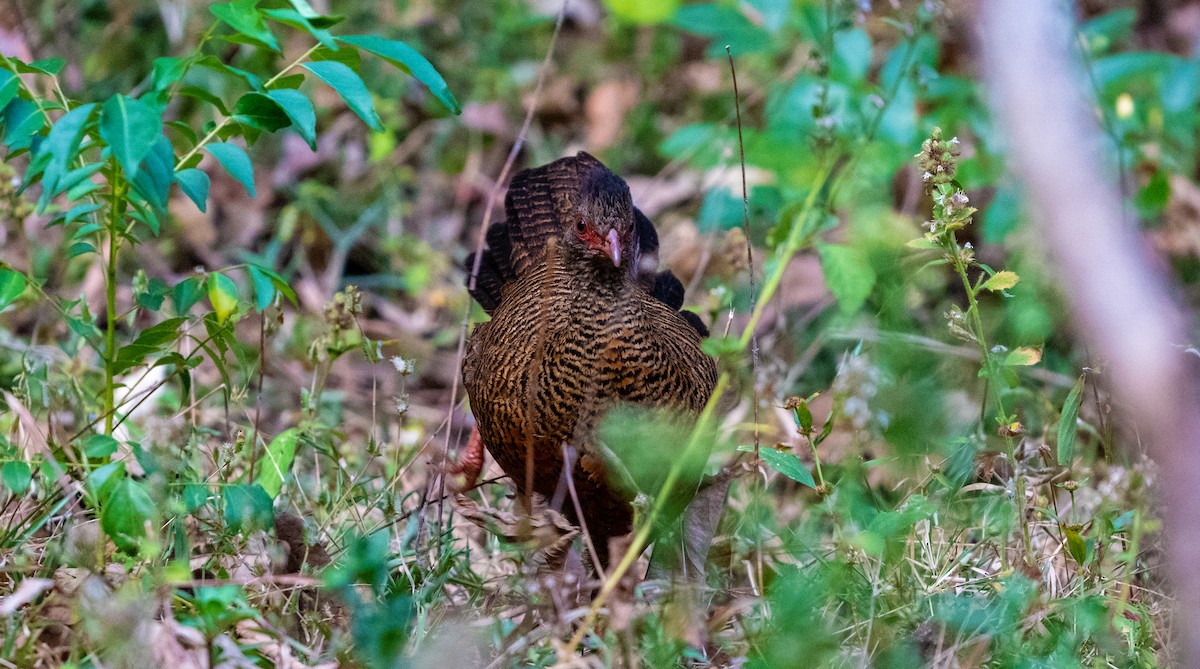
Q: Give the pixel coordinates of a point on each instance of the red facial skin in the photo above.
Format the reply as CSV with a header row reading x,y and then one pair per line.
x,y
610,246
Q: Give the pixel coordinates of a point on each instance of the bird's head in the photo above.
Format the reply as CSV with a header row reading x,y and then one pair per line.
x,y
603,227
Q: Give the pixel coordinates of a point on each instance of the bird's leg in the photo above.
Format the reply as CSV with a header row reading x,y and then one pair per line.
x,y
462,475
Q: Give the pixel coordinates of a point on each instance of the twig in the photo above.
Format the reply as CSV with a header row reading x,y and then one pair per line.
x,y
568,468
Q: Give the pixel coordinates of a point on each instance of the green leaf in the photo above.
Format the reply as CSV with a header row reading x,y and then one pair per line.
x,y
296,19
1023,356
217,65
50,66
151,339
16,476
300,110
244,17
153,180
640,12
22,120
62,144
195,495
10,85
406,58
186,294
12,284
167,71
1002,280
318,20
236,163
129,515
247,507
785,463
77,177
194,184
223,294
260,111
1076,546
848,274
99,446
102,480
350,87
75,213
80,248
198,93
627,430
1066,424
131,128
275,464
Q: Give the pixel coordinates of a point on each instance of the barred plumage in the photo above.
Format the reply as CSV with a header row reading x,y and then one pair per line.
x,y
577,327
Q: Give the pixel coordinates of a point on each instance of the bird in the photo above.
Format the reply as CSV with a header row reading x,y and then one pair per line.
x,y
582,321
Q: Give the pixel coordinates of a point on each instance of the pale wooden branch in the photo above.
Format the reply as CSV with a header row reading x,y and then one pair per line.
x,y
1120,301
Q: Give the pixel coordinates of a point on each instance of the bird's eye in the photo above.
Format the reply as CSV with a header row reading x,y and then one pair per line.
x,y
580,226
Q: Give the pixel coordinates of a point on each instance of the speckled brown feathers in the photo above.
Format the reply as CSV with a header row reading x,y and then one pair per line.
x,y
573,333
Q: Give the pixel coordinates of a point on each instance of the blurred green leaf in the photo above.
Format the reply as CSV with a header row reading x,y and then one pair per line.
x,y
247,508
1066,424
128,515
276,462
16,476
12,284
848,274
627,429
640,12
1075,544
99,446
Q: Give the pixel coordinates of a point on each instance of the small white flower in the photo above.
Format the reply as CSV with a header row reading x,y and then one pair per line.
x,y
405,367
954,141
926,176
402,404
999,348
968,246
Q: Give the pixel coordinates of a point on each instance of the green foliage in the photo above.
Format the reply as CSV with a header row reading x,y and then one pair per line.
x,y
179,364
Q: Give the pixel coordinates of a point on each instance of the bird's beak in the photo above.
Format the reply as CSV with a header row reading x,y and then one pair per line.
x,y
614,247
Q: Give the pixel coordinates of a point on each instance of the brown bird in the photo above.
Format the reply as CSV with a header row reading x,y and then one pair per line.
x,y
582,321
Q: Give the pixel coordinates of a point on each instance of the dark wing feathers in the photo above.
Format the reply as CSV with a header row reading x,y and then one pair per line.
x,y
668,289
538,202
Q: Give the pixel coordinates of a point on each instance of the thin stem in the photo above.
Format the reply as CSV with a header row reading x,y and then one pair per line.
x,y
110,286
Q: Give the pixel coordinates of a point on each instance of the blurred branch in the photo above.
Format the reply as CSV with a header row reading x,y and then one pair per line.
x,y
1120,303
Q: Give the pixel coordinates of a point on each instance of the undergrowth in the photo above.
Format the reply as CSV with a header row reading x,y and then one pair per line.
x,y
230,325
